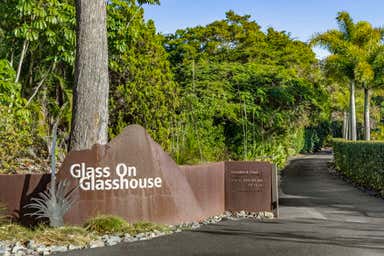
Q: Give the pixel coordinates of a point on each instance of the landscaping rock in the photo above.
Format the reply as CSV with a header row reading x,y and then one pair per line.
x,y
32,245
195,225
96,244
32,248
74,247
41,249
18,247
58,248
2,249
112,240
130,240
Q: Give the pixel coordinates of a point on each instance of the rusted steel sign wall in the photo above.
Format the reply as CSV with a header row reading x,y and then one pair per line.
x,y
134,178
208,185
17,190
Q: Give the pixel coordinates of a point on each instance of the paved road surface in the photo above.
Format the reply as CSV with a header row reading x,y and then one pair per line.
x,y
319,215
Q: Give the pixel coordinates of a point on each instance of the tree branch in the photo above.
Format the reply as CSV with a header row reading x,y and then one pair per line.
x,y
41,83
23,51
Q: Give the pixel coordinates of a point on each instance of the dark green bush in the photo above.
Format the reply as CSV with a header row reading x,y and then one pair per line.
x,y
361,161
316,137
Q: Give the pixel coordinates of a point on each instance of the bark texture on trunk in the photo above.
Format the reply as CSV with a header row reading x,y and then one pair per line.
x,y
353,111
345,125
90,95
367,123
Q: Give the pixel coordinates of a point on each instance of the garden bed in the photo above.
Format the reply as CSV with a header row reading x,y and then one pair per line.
x,y
97,232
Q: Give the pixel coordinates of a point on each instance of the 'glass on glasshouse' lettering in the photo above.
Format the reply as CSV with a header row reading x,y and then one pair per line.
x,y
101,178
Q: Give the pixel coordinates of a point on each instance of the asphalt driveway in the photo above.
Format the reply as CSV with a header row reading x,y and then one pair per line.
x,y
320,215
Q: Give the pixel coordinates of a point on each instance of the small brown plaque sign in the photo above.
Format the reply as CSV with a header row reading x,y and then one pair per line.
x,y
247,181
248,186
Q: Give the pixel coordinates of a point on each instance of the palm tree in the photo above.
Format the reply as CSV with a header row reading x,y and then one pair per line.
x,y
368,68
352,47
370,73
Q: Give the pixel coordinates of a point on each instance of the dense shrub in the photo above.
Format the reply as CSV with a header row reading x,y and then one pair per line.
x,y
362,162
316,137
21,148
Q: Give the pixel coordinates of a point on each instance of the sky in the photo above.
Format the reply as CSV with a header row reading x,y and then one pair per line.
x,y
302,18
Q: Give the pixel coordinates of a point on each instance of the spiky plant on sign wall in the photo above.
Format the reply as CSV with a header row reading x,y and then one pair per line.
x,y
54,203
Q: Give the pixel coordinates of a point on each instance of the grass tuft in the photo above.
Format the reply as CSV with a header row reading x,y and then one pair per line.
x,y
78,236
144,226
108,224
12,232
63,236
46,235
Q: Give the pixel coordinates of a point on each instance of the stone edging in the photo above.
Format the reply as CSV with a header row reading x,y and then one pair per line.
x,y
31,248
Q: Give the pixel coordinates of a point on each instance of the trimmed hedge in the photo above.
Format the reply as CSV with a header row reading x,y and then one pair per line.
x,y
361,161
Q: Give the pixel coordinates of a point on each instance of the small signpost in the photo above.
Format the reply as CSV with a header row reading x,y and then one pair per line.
x,y
251,186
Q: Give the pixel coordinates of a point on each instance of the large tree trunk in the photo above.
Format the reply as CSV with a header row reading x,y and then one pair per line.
x,y
353,111
367,123
90,97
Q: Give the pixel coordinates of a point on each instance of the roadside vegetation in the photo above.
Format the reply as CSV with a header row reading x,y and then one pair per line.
x,y
361,162
76,235
226,90
106,224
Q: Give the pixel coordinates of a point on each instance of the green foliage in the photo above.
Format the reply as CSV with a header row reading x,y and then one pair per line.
x,y
46,236
9,90
62,236
356,56
362,162
228,90
316,137
245,94
378,132
20,147
107,224
12,232
142,87
19,144
144,227
141,82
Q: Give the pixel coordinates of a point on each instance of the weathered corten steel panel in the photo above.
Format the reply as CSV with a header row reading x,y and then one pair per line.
x,y
248,186
208,185
188,193
18,190
174,202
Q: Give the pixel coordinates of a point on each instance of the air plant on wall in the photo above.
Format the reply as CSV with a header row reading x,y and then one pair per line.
x,y
54,203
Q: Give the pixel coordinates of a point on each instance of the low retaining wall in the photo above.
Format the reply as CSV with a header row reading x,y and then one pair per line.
x,y
208,185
